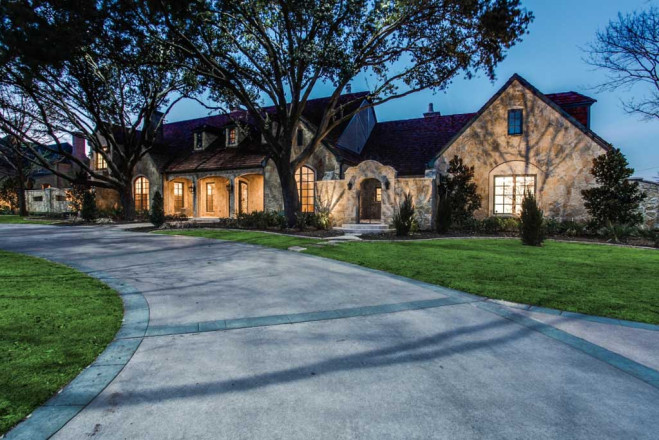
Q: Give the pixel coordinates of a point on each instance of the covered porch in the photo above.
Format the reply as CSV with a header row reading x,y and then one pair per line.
x,y
214,195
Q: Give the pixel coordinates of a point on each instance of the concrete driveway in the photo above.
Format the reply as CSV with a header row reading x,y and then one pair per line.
x,y
244,342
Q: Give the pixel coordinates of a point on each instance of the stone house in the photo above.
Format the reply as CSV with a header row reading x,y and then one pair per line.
x,y
520,140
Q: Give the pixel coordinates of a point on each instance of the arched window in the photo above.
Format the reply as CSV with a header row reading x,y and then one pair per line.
x,y
141,194
306,188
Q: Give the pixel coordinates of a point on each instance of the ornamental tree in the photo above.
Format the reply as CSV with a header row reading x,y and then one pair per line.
x,y
100,79
460,191
252,53
616,200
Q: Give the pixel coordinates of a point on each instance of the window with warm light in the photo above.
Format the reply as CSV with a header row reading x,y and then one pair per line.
x,y
509,192
378,194
232,136
306,188
141,194
210,194
101,163
179,202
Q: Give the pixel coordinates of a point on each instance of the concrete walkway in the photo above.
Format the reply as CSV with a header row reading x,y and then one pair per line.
x,y
245,342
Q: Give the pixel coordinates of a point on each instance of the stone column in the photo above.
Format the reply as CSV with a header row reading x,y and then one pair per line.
x,y
232,197
195,206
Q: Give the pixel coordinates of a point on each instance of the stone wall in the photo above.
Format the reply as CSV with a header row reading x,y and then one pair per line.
x,y
650,206
342,197
551,147
50,200
423,195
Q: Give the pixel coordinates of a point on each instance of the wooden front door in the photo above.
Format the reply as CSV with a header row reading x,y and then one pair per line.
x,y
370,201
242,197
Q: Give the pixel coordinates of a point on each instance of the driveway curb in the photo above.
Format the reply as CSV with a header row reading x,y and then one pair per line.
x,y
50,417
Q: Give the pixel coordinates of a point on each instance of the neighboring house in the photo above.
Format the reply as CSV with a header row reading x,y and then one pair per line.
x,y
521,139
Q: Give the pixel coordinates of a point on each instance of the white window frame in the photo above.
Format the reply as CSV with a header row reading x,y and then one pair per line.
x,y
502,198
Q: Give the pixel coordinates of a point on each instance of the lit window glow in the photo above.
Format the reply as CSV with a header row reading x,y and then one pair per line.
x,y
509,193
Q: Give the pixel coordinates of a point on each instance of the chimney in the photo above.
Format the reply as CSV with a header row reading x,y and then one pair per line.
x,y
155,123
79,147
431,111
348,88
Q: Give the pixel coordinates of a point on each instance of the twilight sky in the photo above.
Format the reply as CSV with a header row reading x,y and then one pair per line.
x,y
551,59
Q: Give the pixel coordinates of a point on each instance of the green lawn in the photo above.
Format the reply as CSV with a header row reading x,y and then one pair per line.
x,y
588,278
16,219
54,321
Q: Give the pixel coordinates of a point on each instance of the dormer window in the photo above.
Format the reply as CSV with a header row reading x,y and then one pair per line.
x,y
101,163
232,136
300,137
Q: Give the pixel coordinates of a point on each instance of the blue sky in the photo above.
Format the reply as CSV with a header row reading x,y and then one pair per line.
x,y
551,59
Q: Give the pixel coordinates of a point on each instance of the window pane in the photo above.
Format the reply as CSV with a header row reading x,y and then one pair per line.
x,y
515,121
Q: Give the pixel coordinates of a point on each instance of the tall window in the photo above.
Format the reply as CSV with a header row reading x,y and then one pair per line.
x,y
210,194
509,192
141,194
515,121
179,202
232,136
300,137
306,188
101,163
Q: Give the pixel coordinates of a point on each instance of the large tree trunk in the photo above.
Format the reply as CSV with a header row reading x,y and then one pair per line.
x,y
20,189
289,192
127,202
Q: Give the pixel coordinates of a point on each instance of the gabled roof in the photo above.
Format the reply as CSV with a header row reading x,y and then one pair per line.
x,y
178,138
569,99
544,98
408,145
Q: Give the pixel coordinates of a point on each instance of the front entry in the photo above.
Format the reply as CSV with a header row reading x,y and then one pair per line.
x,y
370,201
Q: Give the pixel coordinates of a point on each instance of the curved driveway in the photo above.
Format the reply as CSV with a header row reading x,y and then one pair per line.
x,y
450,369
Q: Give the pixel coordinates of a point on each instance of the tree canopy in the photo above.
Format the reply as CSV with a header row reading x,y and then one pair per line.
x,y
628,50
250,53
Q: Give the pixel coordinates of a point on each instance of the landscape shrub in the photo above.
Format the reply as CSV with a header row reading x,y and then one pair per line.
x,y
157,214
115,213
618,233
88,211
261,220
616,200
404,217
461,191
443,216
531,222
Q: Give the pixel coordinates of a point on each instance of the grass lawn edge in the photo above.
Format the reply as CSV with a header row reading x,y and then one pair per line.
x,y
86,352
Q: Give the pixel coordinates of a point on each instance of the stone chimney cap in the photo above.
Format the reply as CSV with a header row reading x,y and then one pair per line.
x,y
431,111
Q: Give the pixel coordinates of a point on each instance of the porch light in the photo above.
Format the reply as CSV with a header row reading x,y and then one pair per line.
x,y
229,187
191,188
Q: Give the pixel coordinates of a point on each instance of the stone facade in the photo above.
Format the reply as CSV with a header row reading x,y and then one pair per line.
x,y
50,200
650,206
552,148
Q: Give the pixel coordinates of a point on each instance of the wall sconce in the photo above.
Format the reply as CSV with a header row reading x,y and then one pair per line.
x,y
229,187
386,183
191,188
349,186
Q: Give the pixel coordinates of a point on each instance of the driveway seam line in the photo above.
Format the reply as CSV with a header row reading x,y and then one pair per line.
x,y
46,420
618,361
297,318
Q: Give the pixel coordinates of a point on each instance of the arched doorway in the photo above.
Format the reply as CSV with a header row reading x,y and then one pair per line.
x,y
370,201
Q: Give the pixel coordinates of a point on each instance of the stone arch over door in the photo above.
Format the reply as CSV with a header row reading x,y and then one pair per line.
x,y
355,176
